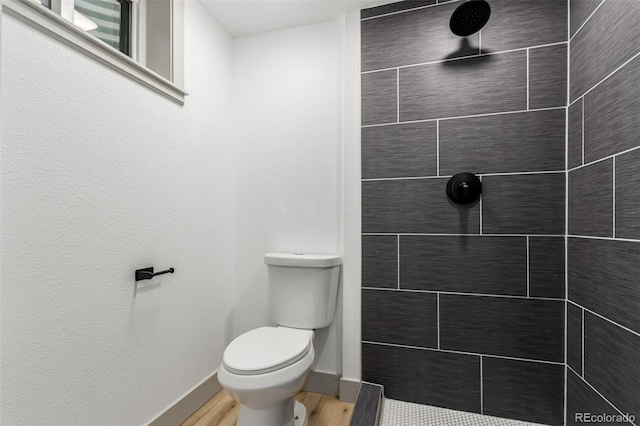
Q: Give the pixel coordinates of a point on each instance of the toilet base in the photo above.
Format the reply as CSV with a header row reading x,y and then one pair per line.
x,y
281,414
300,414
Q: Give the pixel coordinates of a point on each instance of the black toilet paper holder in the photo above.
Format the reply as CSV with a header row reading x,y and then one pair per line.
x,y
147,273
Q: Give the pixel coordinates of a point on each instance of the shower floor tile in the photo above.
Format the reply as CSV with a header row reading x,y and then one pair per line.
x,y
396,413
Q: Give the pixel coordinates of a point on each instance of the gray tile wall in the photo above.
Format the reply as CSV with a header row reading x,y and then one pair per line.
x,y
603,250
463,306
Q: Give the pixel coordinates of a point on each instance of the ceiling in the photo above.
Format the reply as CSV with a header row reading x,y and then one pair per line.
x,y
245,17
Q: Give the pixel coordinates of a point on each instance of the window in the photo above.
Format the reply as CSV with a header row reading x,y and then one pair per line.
x,y
110,21
107,20
148,32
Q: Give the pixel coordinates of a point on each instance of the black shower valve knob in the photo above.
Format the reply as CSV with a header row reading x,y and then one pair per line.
x,y
464,188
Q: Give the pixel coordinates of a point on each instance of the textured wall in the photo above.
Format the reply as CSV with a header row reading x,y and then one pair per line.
x,y
289,139
101,176
603,321
463,307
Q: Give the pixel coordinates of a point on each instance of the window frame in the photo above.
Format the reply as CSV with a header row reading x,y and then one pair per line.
x,y
52,24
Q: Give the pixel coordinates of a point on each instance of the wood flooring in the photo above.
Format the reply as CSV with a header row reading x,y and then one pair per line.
x,y
322,410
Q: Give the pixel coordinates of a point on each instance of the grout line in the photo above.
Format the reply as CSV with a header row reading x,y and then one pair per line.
x,y
438,147
614,197
546,172
438,316
596,391
478,174
564,402
398,261
605,158
399,11
420,64
610,74
590,237
486,114
417,234
480,204
481,389
570,104
528,263
585,22
403,178
527,79
582,130
568,54
604,318
462,352
566,339
397,95
454,293
582,342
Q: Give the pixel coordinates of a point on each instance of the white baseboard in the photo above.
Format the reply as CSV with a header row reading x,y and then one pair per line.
x,y
189,403
349,390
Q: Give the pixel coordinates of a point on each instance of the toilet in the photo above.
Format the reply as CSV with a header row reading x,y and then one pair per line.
x,y
263,369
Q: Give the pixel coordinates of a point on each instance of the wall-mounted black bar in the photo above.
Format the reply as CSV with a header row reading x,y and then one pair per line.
x,y
147,273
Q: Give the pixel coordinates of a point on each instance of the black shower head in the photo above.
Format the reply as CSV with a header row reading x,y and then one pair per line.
x,y
470,17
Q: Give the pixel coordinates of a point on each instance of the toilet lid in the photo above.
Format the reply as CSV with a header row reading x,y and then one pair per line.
x,y
266,349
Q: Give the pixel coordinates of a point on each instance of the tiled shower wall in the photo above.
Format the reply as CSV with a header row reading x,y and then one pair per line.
x,y
463,307
603,254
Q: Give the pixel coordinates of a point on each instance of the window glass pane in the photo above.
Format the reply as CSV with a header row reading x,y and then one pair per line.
x,y
100,18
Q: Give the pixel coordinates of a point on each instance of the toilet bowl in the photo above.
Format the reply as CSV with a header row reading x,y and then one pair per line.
x,y
263,369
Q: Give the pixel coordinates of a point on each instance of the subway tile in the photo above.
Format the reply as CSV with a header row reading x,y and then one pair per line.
x,y
412,38
379,97
546,267
612,113
514,327
486,265
523,390
523,204
402,150
521,142
515,24
604,276
627,199
582,399
485,84
380,261
575,135
415,206
394,7
400,317
607,40
579,11
574,337
423,376
591,200
611,363
548,76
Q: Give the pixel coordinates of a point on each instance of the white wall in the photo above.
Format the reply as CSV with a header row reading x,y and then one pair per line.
x,y
101,179
289,140
351,206
101,176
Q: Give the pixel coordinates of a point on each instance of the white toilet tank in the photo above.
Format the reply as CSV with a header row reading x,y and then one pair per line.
x,y
303,288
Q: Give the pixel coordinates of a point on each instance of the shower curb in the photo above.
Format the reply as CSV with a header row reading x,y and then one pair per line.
x,y
368,405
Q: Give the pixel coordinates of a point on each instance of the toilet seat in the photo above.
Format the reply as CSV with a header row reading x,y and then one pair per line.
x,y
266,349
